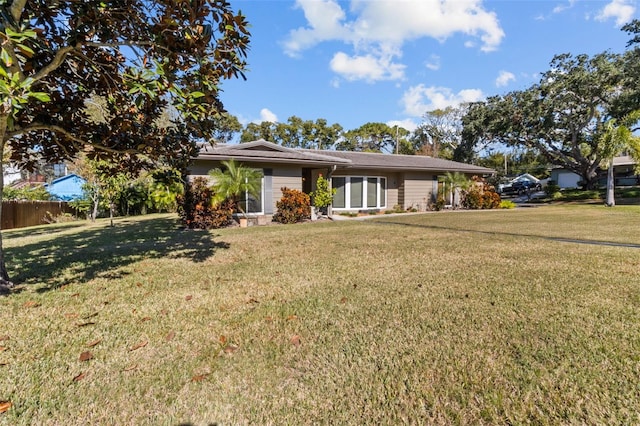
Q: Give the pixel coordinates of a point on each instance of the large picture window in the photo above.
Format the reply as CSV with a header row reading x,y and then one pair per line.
x,y
359,192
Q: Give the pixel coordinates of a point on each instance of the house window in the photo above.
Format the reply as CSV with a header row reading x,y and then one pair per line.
x,y
339,199
358,192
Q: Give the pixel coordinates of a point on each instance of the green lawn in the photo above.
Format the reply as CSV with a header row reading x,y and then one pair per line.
x,y
497,317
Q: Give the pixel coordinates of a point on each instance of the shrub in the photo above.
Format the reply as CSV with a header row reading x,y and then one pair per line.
x,y
197,211
481,195
551,188
322,196
293,207
507,204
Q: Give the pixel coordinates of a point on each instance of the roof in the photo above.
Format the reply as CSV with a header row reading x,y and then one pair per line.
x,y
263,151
372,160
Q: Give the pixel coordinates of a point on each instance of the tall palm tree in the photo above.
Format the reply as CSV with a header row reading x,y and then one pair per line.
x,y
236,182
617,138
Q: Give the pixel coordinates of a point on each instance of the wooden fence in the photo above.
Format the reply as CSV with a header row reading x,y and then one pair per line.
x,y
19,214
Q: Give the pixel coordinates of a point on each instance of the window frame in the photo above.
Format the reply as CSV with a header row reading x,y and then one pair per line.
x,y
381,189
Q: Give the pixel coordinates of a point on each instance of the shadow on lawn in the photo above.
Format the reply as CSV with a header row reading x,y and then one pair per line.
x,y
511,234
103,251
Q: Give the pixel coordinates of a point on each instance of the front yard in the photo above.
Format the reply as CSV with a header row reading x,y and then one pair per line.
x,y
508,316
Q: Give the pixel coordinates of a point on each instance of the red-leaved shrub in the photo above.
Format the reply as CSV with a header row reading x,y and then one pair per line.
x,y
197,212
293,207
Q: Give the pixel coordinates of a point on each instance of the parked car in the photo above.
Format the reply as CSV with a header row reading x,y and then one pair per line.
x,y
523,186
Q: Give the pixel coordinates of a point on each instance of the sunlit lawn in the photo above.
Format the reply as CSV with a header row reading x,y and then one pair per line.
x,y
500,317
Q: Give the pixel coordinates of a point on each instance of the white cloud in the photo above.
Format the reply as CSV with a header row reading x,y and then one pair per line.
x,y
504,78
433,63
620,10
407,123
377,30
266,115
367,67
564,6
420,99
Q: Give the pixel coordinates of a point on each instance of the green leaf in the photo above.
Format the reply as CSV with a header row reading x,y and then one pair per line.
x,y
41,96
5,58
197,95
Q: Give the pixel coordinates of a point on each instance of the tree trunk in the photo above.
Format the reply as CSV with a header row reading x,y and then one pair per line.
x,y
611,183
96,201
5,282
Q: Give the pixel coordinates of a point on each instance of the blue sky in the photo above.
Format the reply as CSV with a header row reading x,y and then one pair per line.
x,y
390,61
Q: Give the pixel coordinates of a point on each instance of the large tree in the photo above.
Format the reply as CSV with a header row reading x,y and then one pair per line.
x,y
440,132
561,117
141,57
295,133
374,137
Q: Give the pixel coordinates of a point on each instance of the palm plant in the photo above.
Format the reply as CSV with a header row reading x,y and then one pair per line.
x,y
456,182
235,182
618,137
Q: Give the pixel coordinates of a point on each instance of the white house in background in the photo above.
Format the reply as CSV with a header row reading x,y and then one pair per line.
x,y
11,174
623,168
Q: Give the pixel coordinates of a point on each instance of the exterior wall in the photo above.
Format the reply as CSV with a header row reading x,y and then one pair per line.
x,y
285,177
289,176
565,178
416,190
66,188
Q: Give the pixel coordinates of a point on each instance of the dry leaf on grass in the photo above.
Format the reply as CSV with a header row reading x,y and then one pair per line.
x,y
229,349
292,317
3,348
79,377
4,406
6,337
295,340
170,336
223,339
95,342
139,345
131,367
84,324
86,356
145,319
31,304
199,377
343,300
188,298
71,316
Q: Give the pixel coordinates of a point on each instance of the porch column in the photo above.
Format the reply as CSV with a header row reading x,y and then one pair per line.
x,y
330,171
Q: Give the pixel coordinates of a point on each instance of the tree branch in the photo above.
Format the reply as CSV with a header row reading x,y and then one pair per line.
x,y
54,64
17,6
57,129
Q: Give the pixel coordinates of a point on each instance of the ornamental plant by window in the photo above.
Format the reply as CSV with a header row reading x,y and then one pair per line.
x,y
235,182
322,196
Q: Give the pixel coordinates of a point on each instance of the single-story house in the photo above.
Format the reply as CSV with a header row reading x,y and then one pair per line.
x,y
623,169
364,181
66,188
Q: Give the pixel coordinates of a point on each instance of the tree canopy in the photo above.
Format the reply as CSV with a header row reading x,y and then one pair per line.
x,y
140,57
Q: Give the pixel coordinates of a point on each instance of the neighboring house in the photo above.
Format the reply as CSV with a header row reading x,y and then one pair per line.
x,y
364,181
623,169
66,188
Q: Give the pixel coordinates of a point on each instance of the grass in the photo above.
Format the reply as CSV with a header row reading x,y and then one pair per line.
x,y
519,316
